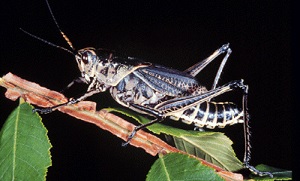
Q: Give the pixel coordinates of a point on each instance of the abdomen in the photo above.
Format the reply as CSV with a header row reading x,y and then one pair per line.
x,y
211,115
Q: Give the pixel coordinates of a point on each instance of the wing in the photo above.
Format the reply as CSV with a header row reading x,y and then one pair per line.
x,y
167,81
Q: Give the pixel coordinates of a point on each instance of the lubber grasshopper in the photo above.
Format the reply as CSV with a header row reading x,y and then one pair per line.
x,y
159,91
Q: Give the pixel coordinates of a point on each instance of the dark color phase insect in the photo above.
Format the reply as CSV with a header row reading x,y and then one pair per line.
x,y
159,91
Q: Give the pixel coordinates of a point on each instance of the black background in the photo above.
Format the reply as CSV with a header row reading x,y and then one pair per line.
x,y
174,34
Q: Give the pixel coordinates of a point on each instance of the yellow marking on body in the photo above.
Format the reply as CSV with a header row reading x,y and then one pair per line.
x,y
193,116
222,125
214,123
202,121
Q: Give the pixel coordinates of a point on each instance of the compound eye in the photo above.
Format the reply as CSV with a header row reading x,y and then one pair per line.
x,y
85,57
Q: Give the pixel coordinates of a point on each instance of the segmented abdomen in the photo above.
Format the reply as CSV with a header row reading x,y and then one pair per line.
x,y
211,115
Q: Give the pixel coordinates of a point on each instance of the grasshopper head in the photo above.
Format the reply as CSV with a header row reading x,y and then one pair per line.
x,y
86,58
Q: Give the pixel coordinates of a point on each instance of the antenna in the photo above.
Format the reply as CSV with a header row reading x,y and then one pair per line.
x,y
47,42
61,32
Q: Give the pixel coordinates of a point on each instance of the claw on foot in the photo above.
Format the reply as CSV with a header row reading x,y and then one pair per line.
x,y
130,137
43,111
257,172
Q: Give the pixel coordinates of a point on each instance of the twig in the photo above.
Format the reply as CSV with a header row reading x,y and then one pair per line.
x,y
86,111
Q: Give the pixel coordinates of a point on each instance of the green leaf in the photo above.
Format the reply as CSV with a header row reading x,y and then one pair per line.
x,y
278,173
213,147
176,166
24,146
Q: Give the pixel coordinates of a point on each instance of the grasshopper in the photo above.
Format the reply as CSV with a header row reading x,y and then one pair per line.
x,y
159,91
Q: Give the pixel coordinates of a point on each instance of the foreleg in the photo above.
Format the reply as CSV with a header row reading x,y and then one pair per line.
x,y
70,102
